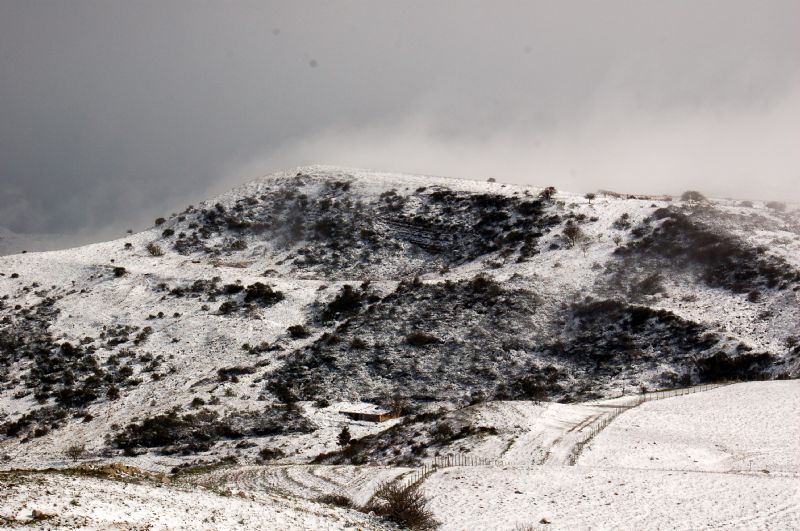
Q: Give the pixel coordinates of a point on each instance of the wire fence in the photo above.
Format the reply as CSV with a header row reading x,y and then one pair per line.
x,y
600,424
586,434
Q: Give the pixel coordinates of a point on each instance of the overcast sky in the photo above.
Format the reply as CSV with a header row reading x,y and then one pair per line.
x,y
115,112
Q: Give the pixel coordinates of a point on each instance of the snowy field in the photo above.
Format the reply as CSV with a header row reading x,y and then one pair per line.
x,y
727,458
746,427
577,498
724,458
675,463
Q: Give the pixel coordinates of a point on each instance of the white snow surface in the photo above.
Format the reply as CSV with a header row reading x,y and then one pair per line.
x,y
748,427
77,502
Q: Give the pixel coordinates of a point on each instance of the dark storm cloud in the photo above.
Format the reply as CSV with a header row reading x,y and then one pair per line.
x,y
114,112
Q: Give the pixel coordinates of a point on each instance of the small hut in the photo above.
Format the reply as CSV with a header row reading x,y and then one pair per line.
x,y
369,413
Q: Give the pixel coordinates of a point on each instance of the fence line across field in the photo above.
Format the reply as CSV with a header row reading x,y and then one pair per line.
x,y
462,459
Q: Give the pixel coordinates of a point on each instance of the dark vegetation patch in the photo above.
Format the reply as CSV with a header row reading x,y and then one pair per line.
x,y
298,332
329,231
235,297
675,238
66,375
416,438
189,433
722,367
447,340
611,339
404,504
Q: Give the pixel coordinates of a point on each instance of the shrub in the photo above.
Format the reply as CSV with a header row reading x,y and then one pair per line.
x,y
548,192
339,500
321,402
403,504
167,233
694,196
359,343
233,373
623,222
154,250
262,294
346,301
421,339
238,245
344,437
776,205
271,454
572,234
722,367
232,289
119,271
112,393
160,221
227,307
443,432
75,452
298,331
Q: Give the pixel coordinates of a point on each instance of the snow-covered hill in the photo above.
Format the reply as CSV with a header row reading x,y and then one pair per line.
x,y
240,324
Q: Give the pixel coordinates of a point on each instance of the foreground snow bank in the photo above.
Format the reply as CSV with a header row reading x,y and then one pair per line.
x,y
60,501
577,498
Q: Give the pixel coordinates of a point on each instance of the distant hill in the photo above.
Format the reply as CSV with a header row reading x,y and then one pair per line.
x,y
323,285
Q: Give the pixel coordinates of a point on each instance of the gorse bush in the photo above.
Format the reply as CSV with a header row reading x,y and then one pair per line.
x,y
298,332
262,294
693,195
405,505
347,301
338,500
421,339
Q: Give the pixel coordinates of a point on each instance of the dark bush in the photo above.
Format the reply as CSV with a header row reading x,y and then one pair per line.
x,y
227,308
346,301
262,294
721,367
230,373
405,505
298,331
271,454
359,343
421,339
338,500
344,436
548,193
693,195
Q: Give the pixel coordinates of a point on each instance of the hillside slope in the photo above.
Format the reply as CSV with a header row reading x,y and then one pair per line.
x,y
321,285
